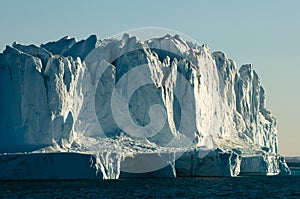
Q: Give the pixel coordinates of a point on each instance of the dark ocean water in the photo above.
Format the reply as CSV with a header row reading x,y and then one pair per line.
x,y
237,187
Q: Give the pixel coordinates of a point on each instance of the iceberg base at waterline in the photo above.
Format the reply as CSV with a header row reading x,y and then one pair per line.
x,y
75,165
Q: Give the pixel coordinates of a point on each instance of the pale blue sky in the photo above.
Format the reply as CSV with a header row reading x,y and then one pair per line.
x,y
263,32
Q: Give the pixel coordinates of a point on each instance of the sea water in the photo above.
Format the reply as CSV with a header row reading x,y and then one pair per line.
x,y
235,187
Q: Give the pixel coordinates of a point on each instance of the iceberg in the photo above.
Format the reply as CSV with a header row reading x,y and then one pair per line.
x,y
129,108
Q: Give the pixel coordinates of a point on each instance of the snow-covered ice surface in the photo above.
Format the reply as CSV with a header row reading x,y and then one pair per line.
x,y
122,108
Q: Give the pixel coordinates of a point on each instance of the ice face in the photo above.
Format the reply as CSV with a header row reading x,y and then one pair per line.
x,y
24,108
163,95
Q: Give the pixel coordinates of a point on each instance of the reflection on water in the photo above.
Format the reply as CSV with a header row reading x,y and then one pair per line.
x,y
237,187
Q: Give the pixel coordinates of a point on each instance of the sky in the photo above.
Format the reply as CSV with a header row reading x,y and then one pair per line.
x,y
265,33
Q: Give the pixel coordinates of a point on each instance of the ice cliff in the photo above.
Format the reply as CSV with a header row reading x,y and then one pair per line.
x,y
120,105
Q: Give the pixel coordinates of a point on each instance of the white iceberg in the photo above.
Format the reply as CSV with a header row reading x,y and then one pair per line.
x,y
123,108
